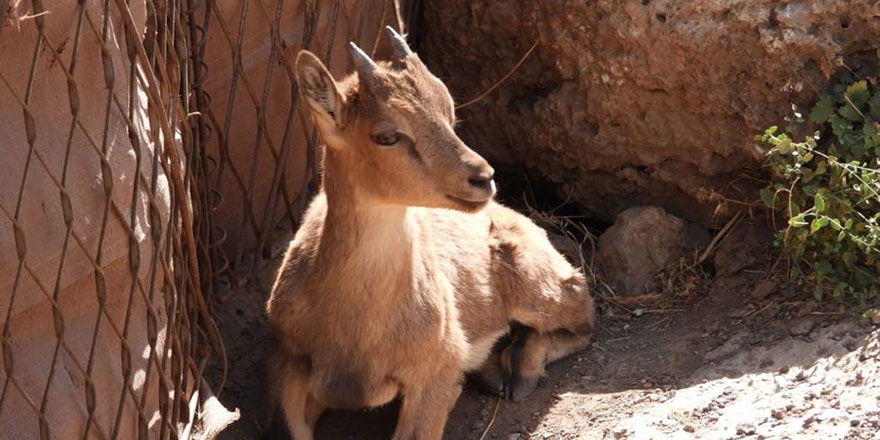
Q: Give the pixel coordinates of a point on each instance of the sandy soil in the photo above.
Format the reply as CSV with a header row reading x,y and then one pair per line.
x,y
730,362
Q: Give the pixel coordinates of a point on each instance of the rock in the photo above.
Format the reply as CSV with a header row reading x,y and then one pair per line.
x,y
628,103
764,289
478,425
802,326
515,436
689,428
745,429
641,243
729,347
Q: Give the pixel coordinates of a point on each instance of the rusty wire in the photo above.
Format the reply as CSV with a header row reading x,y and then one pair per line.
x,y
124,284
260,189
163,285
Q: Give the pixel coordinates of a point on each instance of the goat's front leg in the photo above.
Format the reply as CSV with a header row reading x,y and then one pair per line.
x,y
424,410
525,358
555,327
301,410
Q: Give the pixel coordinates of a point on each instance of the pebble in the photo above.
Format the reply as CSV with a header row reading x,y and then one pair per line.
x,y
802,327
688,428
764,289
745,429
737,313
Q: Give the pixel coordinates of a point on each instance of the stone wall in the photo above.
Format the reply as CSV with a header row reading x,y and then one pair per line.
x,y
625,103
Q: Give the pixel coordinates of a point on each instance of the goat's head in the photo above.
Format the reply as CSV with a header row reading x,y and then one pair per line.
x,y
391,123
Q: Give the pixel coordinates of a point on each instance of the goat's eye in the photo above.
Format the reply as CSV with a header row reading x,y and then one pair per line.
x,y
387,139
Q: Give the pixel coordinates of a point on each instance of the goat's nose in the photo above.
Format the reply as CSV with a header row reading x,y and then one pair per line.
x,y
482,180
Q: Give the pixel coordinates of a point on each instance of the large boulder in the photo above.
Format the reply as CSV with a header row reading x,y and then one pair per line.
x,y
642,242
626,103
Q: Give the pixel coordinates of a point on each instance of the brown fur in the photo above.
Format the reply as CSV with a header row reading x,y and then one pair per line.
x,y
404,272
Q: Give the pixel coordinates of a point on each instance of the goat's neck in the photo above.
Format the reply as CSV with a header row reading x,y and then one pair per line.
x,y
358,228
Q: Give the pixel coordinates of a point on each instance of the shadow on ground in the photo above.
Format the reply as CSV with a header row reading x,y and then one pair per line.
x,y
731,362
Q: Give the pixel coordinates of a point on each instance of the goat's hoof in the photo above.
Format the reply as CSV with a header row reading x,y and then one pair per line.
x,y
520,388
492,379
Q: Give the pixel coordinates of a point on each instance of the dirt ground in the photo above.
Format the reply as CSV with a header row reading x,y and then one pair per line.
x,y
743,356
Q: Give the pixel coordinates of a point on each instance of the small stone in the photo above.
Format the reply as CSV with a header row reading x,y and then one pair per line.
x,y
515,436
855,422
802,327
807,308
764,289
745,429
777,414
688,428
737,312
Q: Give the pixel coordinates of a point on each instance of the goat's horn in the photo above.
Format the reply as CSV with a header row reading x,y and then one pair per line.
x,y
401,49
362,62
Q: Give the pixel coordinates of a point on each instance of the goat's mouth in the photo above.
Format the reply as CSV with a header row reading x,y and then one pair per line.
x,y
468,205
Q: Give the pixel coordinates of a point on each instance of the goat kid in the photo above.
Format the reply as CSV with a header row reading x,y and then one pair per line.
x,y
405,272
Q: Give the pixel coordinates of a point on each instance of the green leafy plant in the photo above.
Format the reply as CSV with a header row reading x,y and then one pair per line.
x,y
828,188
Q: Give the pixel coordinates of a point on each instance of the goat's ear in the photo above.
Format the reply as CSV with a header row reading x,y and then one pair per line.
x,y
320,91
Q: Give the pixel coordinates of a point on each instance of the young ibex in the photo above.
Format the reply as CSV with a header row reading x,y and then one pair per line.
x,y
404,272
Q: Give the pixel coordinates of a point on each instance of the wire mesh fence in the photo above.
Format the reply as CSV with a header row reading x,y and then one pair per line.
x,y
106,326
261,142
150,151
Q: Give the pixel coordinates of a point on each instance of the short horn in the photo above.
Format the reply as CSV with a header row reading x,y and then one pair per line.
x,y
362,62
401,49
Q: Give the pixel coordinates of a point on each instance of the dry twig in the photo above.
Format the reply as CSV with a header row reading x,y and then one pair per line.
x,y
491,421
504,78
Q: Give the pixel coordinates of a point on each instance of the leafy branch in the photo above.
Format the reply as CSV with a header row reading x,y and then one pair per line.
x,y
830,183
